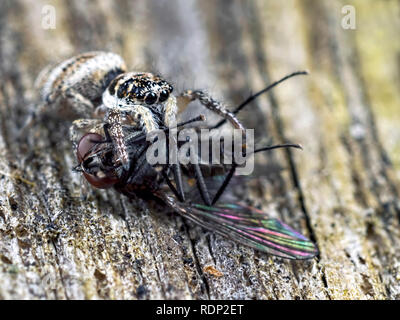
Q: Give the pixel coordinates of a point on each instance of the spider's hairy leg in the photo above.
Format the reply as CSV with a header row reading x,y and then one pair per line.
x,y
69,104
144,117
81,126
115,119
34,114
171,110
210,103
79,105
114,129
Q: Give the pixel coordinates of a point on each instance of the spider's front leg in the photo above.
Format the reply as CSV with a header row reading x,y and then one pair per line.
x,y
217,107
78,104
137,115
170,112
210,103
114,130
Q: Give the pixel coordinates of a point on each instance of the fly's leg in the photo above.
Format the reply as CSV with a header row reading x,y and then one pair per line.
x,y
170,185
222,188
172,146
176,170
202,185
176,167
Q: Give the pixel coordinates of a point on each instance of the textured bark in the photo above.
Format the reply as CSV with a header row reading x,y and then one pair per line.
x,y
342,190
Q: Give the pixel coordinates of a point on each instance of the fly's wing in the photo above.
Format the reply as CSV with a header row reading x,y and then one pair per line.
x,y
248,226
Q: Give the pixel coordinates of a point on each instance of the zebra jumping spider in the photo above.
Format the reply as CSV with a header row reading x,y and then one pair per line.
x,y
118,105
96,87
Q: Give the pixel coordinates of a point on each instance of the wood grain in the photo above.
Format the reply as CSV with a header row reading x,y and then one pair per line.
x,y
342,191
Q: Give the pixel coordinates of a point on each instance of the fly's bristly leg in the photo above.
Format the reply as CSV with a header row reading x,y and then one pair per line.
x,y
174,165
224,185
176,170
202,185
170,185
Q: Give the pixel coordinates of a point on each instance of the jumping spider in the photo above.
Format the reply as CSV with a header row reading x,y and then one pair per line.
x,y
96,83
120,109
96,86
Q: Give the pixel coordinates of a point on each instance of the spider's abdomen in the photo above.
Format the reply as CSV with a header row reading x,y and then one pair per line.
x,y
88,74
137,88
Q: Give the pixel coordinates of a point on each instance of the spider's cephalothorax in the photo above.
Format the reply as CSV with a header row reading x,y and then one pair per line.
x,y
138,88
143,100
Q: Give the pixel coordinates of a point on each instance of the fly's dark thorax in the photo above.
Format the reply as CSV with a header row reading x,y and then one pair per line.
x,y
144,181
142,177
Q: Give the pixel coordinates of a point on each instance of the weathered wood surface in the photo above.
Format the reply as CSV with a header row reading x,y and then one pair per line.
x,y
342,190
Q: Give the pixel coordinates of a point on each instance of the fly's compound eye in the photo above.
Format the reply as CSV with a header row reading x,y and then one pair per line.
x,y
94,166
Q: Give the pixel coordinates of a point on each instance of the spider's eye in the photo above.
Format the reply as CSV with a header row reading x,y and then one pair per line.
x,y
151,98
95,175
123,90
163,95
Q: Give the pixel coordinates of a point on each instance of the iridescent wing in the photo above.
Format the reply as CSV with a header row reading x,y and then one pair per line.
x,y
248,226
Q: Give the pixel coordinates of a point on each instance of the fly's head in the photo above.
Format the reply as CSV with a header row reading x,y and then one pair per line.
x,y
101,167
132,88
97,162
